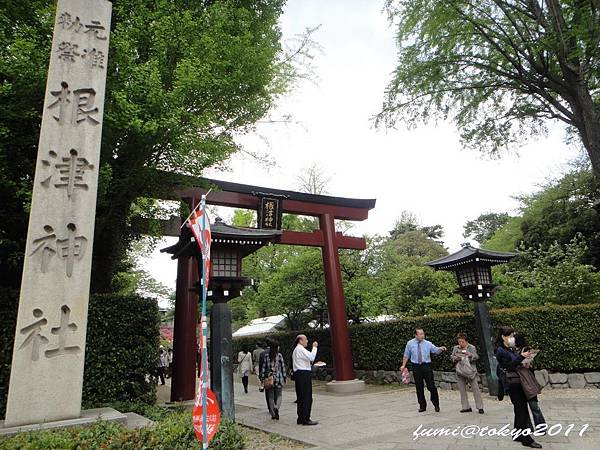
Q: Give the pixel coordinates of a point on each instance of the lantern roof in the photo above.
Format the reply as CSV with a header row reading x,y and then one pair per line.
x,y
251,239
224,232
469,254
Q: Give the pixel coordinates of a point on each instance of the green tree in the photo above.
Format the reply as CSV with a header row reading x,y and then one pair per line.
x,y
484,227
183,79
415,290
136,280
507,238
414,246
498,68
244,218
549,275
560,210
296,290
408,222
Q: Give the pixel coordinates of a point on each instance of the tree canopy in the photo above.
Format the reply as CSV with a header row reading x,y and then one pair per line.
x,y
484,227
183,78
561,210
499,69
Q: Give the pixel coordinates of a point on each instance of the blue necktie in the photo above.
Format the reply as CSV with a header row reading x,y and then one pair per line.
x,y
419,357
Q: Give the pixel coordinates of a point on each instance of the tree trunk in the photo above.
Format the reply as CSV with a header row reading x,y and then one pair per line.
x,y
587,122
110,241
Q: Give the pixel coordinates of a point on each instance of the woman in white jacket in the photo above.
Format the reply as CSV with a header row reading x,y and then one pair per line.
x,y
245,366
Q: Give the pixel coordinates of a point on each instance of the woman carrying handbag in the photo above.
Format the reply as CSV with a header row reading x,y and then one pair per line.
x,y
274,378
464,355
509,360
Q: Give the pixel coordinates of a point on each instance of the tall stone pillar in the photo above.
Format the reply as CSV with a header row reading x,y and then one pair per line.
x,y
49,351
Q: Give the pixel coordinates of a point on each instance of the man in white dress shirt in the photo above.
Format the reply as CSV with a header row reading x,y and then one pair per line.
x,y
301,361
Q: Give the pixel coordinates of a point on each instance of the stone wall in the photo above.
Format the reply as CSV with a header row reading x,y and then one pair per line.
x,y
447,380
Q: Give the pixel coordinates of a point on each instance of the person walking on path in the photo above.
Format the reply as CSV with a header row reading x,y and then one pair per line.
x,y
245,366
509,361
261,363
464,355
418,350
163,362
256,359
170,358
274,379
301,362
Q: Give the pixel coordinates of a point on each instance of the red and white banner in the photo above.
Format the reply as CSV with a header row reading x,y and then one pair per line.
x,y
199,224
206,412
213,416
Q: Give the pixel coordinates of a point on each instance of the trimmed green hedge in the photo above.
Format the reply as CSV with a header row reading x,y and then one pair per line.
x,y
121,348
568,337
9,303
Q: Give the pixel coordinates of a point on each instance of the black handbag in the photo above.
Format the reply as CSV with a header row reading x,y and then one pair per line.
x,y
512,377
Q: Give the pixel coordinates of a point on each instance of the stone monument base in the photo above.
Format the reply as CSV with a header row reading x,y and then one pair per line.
x,y
88,417
345,387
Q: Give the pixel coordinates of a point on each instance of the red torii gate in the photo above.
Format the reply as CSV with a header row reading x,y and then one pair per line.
x,y
327,209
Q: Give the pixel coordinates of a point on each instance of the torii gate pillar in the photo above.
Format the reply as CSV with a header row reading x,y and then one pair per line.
x,y
338,321
185,345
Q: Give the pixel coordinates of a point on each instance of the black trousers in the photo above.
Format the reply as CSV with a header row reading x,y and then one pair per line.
x,y
522,421
303,382
245,383
266,391
423,374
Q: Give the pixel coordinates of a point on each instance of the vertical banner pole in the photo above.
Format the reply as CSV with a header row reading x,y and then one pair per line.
x,y
204,327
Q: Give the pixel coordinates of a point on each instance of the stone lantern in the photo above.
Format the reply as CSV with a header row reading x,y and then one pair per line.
x,y
229,246
473,269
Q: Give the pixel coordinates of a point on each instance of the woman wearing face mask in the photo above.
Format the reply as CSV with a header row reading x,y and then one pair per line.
x,y
532,400
508,360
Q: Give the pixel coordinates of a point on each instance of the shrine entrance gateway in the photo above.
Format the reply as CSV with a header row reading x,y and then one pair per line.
x,y
327,209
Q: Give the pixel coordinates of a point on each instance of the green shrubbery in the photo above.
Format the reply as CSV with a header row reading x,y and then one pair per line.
x,y
174,430
555,275
556,330
121,348
9,301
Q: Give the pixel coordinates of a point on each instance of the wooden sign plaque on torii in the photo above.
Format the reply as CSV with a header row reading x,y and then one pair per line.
x,y
327,209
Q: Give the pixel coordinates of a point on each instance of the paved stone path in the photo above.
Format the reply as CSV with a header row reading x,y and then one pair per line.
x,y
385,417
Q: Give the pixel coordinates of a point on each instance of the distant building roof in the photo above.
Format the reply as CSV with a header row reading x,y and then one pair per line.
x,y
468,254
261,325
381,318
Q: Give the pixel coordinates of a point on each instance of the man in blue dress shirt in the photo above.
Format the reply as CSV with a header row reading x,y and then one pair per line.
x,y
419,351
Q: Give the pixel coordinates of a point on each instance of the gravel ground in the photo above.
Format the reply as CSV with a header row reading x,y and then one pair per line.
x,y
259,440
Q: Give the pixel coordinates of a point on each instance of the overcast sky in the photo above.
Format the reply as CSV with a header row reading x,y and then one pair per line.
x,y
422,170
